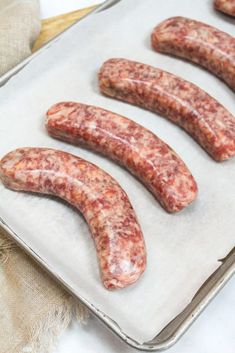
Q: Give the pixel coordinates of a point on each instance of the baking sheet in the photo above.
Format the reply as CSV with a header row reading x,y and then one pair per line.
x,y
183,249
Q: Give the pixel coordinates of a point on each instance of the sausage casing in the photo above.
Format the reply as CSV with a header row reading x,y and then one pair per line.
x,y
104,204
198,42
205,119
226,6
128,143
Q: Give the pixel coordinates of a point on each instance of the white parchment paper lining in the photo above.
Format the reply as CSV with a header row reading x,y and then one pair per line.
x,y
183,249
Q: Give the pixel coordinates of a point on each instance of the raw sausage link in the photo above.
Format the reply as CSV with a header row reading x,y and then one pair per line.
x,y
105,206
207,121
199,43
128,143
226,6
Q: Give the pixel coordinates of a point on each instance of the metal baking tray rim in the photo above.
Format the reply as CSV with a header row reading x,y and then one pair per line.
x,y
177,327
12,72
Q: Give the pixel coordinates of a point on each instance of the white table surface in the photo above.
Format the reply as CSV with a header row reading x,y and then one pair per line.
x,y
213,331
51,8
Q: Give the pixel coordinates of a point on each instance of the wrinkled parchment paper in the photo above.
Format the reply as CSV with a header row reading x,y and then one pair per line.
x,y
183,249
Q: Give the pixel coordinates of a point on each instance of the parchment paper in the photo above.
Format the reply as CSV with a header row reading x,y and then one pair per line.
x,y
183,249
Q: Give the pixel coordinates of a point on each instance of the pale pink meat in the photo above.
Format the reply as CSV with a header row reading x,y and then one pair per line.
x,y
197,42
226,6
105,206
128,143
184,103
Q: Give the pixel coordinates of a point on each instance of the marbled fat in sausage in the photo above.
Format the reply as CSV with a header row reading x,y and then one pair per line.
x,y
226,6
206,120
105,206
128,143
198,42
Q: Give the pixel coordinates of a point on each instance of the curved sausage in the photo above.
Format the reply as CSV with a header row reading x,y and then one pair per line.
x,y
226,6
206,120
105,206
128,143
199,43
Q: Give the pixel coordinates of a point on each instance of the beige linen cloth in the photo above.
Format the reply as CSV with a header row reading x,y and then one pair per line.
x,y
34,310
